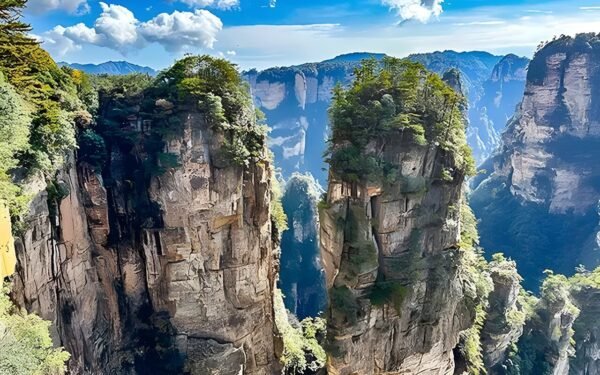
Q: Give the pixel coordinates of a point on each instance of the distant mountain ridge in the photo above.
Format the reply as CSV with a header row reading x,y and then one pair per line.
x,y
111,67
295,100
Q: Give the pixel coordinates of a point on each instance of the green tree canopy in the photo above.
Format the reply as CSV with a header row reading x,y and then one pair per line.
x,y
25,344
385,100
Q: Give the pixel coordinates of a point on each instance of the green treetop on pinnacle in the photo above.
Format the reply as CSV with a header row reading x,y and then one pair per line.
x,y
385,100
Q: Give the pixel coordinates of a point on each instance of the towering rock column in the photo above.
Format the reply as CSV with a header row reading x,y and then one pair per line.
x,y
162,260
390,245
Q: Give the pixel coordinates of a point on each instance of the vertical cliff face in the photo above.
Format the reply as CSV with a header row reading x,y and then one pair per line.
x,y
539,202
390,230
399,243
295,101
502,92
303,282
161,257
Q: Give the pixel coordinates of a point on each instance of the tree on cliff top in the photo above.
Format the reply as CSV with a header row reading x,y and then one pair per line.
x,y
388,99
41,103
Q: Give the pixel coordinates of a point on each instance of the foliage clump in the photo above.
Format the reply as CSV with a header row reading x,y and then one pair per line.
x,y
25,344
302,350
392,292
40,107
278,215
386,100
215,86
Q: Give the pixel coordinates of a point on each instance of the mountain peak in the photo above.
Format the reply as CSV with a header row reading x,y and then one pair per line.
x,y
356,57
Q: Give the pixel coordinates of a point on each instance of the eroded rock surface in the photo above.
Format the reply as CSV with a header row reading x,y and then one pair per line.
x,y
161,272
413,234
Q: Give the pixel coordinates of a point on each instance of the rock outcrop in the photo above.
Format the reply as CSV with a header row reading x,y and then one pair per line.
x,y
539,203
504,317
146,265
391,250
295,101
547,342
587,331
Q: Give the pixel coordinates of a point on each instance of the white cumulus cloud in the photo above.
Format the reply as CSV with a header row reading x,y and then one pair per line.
x,y
56,42
421,10
178,30
71,6
118,28
219,4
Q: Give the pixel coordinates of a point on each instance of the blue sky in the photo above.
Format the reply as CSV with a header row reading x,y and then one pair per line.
x,y
265,33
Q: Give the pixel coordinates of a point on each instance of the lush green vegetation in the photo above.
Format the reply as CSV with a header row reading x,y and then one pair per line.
x,y
216,87
387,100
477,285
40,105
388,292
14,139
25,344
278,215
302,350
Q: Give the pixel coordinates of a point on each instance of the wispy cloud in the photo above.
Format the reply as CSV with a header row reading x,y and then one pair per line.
x,y
294,44
539,11
77,7
480,23
219,4
590,8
